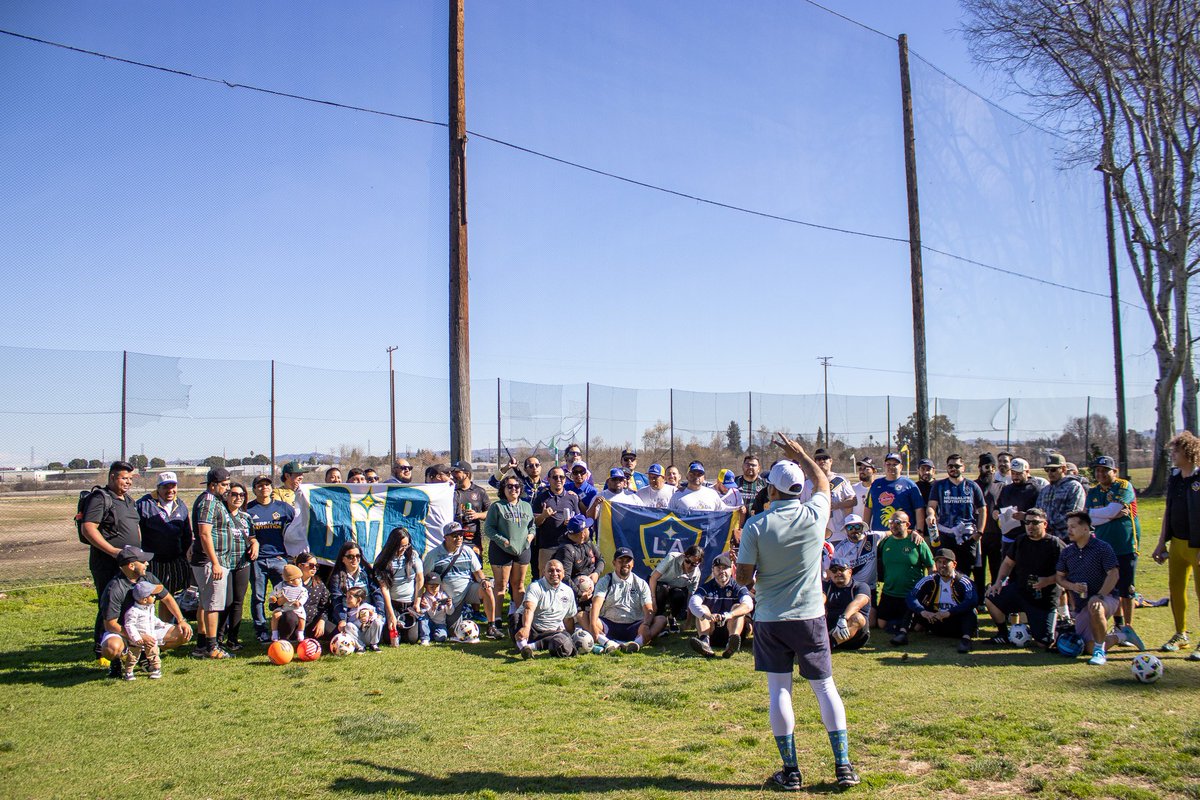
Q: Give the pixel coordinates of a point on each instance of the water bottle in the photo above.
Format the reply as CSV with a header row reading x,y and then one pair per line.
x,y
393,635
935,538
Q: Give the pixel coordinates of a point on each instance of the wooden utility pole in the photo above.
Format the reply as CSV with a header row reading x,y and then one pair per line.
x,y
392,396
460,327
914,254
124,396
1118,350
272,419
825,363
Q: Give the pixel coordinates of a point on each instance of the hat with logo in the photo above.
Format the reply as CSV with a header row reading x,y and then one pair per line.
x,y
1056,460
622,552
853,519
865,462
839,563
129,554
945,553
579,466
925,462
730,479
167,477
260,480
452,529
628,453
723,560
1105,461
655,469
787,477
616,472
293,468
820,453
696,466
579,523
1019,465
462,466
893,457
217,475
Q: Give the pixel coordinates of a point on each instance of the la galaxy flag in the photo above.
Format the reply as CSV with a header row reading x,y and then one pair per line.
x,y
328,516
652,533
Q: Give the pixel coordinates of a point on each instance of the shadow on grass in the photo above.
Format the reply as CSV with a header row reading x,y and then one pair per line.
x,y
399,779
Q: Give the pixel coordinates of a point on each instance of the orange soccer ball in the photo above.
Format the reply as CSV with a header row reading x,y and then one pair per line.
x,y
308,650
280,652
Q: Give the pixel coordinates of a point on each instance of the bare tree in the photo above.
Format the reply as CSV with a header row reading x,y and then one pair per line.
x,y
1121,80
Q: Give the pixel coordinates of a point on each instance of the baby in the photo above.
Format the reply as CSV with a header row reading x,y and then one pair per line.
x,y
431,609
362,621
144,632
290,596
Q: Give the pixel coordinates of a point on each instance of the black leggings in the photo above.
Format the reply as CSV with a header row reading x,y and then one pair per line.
x,y
230,621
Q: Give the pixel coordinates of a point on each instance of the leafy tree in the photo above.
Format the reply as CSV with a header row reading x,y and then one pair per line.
x,y
77,463
233,462
95,464
941,436
213,461
55,465
733,437
261,458
157,463
139,461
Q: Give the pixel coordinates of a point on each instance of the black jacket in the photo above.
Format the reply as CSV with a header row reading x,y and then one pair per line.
x,y
1183,489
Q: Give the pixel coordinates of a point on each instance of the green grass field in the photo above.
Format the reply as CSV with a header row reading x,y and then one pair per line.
x,y
474,721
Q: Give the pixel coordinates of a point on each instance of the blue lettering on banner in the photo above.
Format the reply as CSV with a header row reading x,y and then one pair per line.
x,y
337,514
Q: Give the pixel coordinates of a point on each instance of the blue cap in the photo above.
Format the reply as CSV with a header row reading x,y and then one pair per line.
x,y
839,563
730,479
891,456
1105,461
579,523
924,462
655,469
696,466
616,472
622,552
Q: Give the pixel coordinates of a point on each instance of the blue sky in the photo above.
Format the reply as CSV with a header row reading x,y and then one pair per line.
x,y
164,215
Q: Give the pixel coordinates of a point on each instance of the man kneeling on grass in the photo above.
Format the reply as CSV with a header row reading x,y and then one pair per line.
x,y
623,609
548,615
720,606
118,597
944,603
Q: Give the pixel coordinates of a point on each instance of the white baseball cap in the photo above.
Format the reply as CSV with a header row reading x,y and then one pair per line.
x,y
787,477
1019,465
167,477
853,519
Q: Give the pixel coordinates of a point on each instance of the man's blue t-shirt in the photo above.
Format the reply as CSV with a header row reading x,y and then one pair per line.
x,y
886,497
956,504
268,523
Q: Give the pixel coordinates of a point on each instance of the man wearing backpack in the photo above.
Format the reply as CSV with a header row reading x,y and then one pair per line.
x,y
108,521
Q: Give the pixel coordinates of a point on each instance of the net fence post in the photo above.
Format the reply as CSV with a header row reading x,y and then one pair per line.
x,y
587,421
671,415
272,420
124,396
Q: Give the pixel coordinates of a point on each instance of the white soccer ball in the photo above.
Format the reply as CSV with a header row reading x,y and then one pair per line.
x,y
341,644
583,641
1019,634
466,630
1147,668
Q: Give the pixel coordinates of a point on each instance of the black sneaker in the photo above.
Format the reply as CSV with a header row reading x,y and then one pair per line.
x,y
232,646
788,779
702,647
374,648
964,645
900,638
846,776
115,669
672,625
734,645
201,652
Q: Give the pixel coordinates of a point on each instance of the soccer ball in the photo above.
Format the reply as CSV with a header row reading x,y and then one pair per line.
x,y
583,641
1019,634
466,630
280,652
308,650
341,645
1069,644
1146,668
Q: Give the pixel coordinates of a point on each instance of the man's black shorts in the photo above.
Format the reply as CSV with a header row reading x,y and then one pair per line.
x,y
804,642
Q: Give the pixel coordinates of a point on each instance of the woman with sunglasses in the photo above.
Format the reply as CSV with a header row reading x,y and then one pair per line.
x,y
245,550
509,529
348,572
316,610
402,577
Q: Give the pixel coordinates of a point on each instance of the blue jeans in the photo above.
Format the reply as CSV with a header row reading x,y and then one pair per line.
x,y
264,569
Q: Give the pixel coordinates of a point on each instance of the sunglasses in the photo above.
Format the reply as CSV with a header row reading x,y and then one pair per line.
x,y
352,556
532,464
237,494
898,523
558,477
512,486
405,468
308,565
1030,522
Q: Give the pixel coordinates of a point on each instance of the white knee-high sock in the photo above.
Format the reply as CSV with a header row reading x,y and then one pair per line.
x,y
833,713
779,688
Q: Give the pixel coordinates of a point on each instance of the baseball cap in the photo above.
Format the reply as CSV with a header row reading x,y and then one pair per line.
x,y
1056,460
893,457
925,462
723,560
579,465
129,554
451,528
433,578
616,472
839,563
167,477
853,519
730,479
462,466
1105,461
437,469
865,462
696,466
945,553
579,523
261,479
1019,465
787,477
143,589
821,452
628,453
292,468
655,469
217,474
622,552
1035,513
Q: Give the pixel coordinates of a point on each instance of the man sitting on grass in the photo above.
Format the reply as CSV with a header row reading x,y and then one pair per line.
x,y
720,606
117,598
943,603
623,609
548,615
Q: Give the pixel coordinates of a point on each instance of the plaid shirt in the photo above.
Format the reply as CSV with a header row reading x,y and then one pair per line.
x,y
749,489
211,510
1058,500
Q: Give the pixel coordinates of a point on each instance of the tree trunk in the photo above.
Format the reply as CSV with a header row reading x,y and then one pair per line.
x,y
1190,388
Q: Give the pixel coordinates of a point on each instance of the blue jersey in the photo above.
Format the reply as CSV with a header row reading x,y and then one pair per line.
x,y
886,497
956,504
721,601
269,522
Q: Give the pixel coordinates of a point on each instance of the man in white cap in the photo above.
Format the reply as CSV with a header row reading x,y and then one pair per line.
x,y
166,532
785,545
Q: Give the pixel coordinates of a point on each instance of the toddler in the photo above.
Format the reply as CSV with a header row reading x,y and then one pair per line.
x,y
431,609
289,596
142,624
362,621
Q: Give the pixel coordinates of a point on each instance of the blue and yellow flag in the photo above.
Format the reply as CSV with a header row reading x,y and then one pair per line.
x,y
652,533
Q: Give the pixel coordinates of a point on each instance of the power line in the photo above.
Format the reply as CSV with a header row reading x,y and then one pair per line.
x,y
564,161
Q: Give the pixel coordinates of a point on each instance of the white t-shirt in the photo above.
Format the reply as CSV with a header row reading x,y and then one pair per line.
x,y
861,491
626,496
656,498
702,499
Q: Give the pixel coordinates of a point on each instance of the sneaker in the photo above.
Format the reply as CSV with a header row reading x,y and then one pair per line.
x,y
155,674
999,640
1194,656
374,648
1133,638
733,646
964,645
493,632
702,647
630,647
232,647
129,675
527,651
263,638
425,643
218,653
114,670
1176,643
787,779
201,652
611,647
1098,659
900,638
672,625
846,776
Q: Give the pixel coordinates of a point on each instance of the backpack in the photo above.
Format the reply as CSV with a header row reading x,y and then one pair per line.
x,y
84,496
